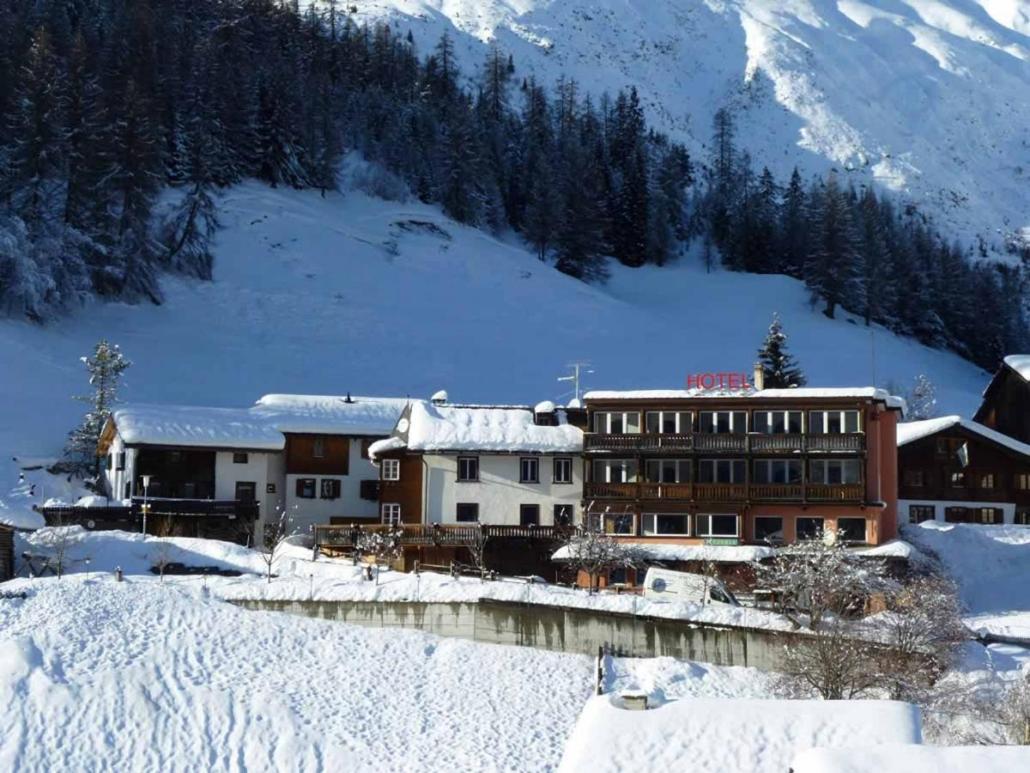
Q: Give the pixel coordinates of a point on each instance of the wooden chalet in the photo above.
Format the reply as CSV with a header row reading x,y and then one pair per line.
x,y
959,471
1006,401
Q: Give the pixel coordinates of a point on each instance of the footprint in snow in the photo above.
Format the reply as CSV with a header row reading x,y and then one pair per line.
x,y
429,650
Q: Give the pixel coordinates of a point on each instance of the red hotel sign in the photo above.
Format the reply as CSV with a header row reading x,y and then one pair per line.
x,y
707,381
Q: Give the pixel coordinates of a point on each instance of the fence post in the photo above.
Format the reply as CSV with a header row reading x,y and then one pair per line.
x,y
599,688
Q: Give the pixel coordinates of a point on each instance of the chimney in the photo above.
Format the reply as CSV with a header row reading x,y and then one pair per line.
x,y
759,383
439,398
349,399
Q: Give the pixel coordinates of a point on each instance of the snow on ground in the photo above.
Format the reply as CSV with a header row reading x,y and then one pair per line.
x,y
300,578
317,295
99,675
991,566
913,759
923,97
728,736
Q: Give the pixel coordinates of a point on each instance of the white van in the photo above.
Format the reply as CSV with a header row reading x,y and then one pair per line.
x,y
668,585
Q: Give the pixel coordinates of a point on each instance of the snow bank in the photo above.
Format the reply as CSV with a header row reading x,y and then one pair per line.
x,y
140,675
189,425
911,431
656,551
486,428
725,736
990,565
914,759
330,414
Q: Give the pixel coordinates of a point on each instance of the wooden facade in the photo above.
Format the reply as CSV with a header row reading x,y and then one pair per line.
x,y
317,454
655,479
1006,404
407,490
6,553
961,476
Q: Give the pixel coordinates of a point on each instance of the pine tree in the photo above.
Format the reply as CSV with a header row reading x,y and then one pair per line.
x,y
779,368
793,229
105,367
832,268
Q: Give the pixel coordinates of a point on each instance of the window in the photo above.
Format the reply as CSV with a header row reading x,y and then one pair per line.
x,y
620,523
956,514
466,512
529,515
614,471
667,471
121,461
717,525
835,471
832,422
306,488
330,489
1022,516
988,515
563,515
777,471
721,422
776,422
390,469
720,471
920,513
240,457
529,470
957,479
808,528
318,447
1023,481
562,470
851,529
659,524
769,529
669,422
986,480
468,468
617,423
391,513
246,491
914,478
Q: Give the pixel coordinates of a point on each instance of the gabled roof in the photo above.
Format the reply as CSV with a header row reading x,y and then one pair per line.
x,y
429,427
1020,363
330,414
909,432
798,393
190,425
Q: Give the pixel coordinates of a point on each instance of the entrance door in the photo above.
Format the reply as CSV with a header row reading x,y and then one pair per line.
x,y
246,491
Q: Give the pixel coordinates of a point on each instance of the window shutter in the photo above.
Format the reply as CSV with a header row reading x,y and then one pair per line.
x,y
336,489
300,487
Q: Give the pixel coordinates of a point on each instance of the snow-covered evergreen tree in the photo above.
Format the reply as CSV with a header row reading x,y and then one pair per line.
x,y
921,399
779,368
105,367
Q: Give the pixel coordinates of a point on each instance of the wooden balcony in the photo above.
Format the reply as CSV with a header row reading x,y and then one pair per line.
x,y
420,535
703,442
232,508
727,492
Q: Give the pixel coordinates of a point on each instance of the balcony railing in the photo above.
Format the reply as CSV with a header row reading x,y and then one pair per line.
x,y
238,508
754,443
727,492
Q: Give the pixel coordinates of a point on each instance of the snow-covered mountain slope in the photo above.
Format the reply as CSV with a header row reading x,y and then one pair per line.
x,y
347,293
929,98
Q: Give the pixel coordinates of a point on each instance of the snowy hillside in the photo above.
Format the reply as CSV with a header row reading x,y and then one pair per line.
x,y
925,97
346,293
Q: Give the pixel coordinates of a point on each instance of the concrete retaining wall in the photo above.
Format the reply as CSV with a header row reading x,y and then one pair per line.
x,y
561,629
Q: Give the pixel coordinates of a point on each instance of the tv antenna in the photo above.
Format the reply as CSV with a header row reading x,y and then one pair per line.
x,y
579,369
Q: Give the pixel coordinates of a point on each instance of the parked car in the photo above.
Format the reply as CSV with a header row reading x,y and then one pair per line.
x,y
669,585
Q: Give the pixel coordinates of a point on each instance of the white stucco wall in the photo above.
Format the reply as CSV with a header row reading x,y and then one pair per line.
x,y
498,491
1008,508
306,513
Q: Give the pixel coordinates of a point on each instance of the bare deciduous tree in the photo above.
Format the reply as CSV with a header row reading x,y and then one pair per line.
x,y
830,662
475,544
383,546
1015,712
921,629
273,538
594,552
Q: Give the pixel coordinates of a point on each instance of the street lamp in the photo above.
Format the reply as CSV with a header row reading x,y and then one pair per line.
x,y
146,485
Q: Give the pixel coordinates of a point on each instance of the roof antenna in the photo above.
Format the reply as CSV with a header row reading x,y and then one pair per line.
x,y
578,370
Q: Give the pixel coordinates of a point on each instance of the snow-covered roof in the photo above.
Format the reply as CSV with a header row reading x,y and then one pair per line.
x,y
190,425
894,758
729,736
485,428
799,393
910,431
1019,363
726,554
330,414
